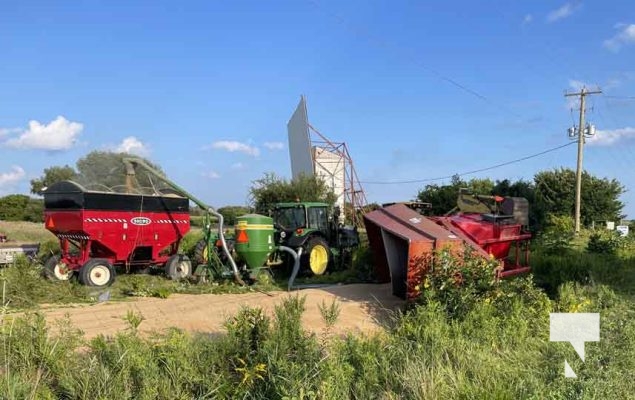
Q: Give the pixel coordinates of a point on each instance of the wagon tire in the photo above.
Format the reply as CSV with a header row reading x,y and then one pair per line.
x,y
57,270
97,272
178,267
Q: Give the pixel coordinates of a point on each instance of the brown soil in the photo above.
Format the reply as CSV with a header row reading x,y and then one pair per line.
x,y
364,308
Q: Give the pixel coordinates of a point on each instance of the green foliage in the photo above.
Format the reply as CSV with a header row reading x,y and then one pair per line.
x,y
13,206
329,312
24,287
271,189
52,175
558,234
605,242
18,207
550,193
555,190
230,213
443,197
524,189
104,169
492,342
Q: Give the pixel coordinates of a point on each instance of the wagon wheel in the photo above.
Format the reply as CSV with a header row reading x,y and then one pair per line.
x,y
97,272
178,267
57,270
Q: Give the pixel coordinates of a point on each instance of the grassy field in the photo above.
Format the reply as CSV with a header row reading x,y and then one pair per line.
x,y
477,339
25,231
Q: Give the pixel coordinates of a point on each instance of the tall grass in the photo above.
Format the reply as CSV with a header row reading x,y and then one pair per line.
x,y
490,344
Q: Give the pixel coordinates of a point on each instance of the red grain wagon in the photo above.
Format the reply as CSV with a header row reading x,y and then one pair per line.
x,y
108,229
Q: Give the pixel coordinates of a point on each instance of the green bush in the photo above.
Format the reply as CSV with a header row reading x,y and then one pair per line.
x,y
558,234
605,242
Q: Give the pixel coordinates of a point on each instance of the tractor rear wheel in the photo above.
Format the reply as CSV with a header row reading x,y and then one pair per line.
x,y
97,272
178,267
57,270
317,257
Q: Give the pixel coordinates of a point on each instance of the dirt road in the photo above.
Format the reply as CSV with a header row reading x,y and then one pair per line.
x,y
364,308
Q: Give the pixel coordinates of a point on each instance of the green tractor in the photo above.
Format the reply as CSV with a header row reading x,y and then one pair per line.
x,y
307,235
314,228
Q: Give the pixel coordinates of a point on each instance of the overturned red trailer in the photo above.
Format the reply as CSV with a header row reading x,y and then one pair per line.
x,y
400,236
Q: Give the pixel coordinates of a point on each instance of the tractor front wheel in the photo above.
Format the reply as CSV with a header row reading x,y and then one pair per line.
x,y
318,256
178,267
56,270
201,252
97,272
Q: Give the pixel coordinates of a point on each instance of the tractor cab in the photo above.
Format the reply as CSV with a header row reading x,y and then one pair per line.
x,y
294,222
313,227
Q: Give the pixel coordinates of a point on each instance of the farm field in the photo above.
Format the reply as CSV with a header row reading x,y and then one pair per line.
x,y
482,339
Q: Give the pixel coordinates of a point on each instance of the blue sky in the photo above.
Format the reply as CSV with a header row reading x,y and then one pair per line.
x,y
206,88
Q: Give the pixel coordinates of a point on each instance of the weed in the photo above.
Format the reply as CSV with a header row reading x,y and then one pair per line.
x,y
330,313
133,320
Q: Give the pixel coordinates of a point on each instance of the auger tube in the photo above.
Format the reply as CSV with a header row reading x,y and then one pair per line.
x,y
296,263
221,235
130,163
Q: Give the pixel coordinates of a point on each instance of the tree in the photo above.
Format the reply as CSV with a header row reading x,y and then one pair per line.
x,y
527,190
443,197
52,175
555,190
230,213
271,189
100,170
12,207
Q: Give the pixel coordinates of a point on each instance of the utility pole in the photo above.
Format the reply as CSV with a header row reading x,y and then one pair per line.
x,y
581,133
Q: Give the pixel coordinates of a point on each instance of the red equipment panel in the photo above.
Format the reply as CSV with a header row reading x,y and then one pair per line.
x,y
400,238
403,241
123,228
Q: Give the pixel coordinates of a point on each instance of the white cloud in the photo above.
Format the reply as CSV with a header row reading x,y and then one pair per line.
x,y
563,12
211,175
8,178
59,134
238,166
235,146
132,145
611,137
274,145
625,36
9,131
527,19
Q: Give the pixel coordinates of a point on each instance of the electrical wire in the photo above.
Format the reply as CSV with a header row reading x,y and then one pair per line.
x,y
620,97
373,39
468,172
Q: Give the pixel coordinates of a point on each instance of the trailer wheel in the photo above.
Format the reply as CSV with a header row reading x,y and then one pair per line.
x,y
97,272
57,270
318,256
178,267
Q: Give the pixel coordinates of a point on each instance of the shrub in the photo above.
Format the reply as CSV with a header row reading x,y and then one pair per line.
x,y
605,242
558,235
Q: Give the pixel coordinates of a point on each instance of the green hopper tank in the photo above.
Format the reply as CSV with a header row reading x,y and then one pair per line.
x,y
254,239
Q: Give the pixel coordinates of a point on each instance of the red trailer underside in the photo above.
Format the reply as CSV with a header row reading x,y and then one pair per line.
x,y
122,237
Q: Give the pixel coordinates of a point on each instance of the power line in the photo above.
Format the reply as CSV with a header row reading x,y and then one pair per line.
x,y
620,97
373,39
468,172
